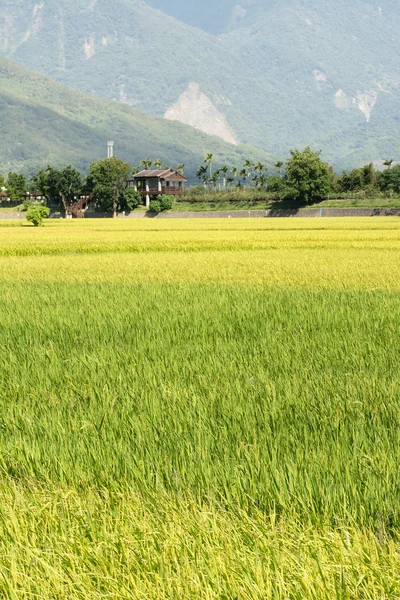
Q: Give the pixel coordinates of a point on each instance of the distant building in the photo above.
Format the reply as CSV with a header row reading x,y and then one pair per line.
x,y
155,183
34,196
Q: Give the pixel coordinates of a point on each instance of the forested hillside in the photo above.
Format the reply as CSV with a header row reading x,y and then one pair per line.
x,y
45,122
271,74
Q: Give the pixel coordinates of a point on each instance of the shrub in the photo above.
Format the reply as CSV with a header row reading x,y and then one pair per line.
x,y
129,199
166,202
155,206
161,203
36,213
389,180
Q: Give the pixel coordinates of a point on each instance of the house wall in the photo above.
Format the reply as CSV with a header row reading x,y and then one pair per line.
x,y
153,182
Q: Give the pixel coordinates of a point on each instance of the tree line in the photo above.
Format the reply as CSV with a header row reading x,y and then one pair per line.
x,y
304,178
106,183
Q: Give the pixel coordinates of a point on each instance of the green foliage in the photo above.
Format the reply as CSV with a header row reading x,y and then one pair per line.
x,y
107,179
129,199
166,202
46,123
307,176
36,213
389,180
161,203
68,184
16,187
352,49
155,205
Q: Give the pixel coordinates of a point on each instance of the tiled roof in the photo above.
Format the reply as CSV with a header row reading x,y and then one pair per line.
x,y
165,174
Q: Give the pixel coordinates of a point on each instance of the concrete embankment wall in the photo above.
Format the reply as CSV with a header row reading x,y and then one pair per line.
x,y
273,213
241,214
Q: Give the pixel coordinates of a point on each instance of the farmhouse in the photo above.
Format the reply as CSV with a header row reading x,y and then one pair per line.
x,y
154,183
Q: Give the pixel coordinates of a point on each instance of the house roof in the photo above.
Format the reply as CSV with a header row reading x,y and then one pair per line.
x,y
168,174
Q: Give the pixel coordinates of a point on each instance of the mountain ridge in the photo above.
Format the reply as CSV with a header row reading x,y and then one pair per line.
x,y
280,75
46,122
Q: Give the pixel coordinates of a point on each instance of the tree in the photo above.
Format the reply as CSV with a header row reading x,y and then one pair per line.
x,y
262,181
107,179
243,174
145,163
47,183
389,180
388,163
208,159
129,199
181,168
368,175
215,178
224,170
36,213
248,166
68,186
279,165
16,187
307,175
59,184
202,175
158,163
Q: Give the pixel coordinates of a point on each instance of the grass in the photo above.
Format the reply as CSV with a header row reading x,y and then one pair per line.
x,y
219,203
11,209
196,409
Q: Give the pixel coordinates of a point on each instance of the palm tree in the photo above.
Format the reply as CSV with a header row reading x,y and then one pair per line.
x,y
243,174
248,165
215,178
201,172
146,163
234,172
158,163
181,168
279,166
208,159
224,172
388,163
262,180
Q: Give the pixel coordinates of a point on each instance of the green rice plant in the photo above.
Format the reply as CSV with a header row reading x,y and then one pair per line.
x,y
186,422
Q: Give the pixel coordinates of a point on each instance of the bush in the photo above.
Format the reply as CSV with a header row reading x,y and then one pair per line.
x,y
166,202
155,206
36,213
129,199
389,181
161,204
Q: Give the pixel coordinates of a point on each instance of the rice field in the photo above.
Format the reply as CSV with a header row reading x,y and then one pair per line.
x,y
200,409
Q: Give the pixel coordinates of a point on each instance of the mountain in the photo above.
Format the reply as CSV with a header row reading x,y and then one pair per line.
x,y
271,74
44,122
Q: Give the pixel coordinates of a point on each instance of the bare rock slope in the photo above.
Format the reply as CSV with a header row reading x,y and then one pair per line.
x,y
196,109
